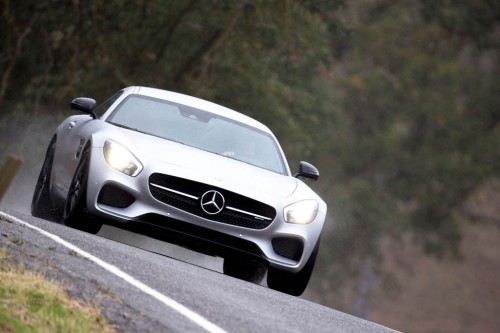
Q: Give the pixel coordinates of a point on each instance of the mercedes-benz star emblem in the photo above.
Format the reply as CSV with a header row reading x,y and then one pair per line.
x,y
212,202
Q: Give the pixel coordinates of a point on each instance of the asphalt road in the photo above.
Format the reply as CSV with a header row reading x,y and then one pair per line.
x,y
227,303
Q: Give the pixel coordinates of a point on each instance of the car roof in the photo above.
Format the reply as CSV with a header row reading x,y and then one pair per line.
x,y
197,103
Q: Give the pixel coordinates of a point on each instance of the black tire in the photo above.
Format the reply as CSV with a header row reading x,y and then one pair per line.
x,y
244,268
292,283
75,212
41,204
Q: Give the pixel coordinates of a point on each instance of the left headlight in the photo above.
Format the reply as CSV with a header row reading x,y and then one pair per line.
x,y
121,159
302,212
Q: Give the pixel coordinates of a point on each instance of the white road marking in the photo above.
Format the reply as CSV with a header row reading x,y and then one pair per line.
x,y
191,315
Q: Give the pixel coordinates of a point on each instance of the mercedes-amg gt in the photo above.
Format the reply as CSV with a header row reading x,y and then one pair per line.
x,y
187,167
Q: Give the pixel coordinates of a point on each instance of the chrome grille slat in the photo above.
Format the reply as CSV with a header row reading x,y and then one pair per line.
x,y
174,191
248,213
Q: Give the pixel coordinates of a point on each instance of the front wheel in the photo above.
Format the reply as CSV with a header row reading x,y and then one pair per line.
x,y
75,214
292,283
41,204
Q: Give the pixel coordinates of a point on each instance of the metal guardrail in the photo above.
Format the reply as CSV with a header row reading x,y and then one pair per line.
x,y
8,171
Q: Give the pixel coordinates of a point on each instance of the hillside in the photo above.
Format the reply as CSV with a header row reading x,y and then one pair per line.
x,y
443,295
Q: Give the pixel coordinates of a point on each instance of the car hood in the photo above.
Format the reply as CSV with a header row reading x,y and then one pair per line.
x,y
187,162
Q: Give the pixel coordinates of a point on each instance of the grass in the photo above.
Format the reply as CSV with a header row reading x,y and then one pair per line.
x,y
31,303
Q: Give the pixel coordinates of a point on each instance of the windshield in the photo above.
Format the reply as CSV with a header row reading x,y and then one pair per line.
x,y
199,129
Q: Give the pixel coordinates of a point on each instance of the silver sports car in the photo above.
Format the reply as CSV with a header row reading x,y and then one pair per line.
x,y
185,167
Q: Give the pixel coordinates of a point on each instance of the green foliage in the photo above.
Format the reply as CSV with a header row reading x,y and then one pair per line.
x,y
419,123
466,20
258,57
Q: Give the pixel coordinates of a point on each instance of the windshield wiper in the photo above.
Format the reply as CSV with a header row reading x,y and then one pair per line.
x,y
129,128
124,126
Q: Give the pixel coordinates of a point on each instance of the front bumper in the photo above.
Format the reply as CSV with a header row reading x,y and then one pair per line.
x,y
128,200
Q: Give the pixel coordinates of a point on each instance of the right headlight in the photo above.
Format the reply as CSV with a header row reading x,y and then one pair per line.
x,y
301,212
121,159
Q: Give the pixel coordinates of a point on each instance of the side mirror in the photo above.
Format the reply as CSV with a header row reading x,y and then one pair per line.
x,y
307,170
84,105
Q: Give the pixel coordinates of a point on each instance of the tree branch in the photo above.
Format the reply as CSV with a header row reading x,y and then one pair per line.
x,y
214,42
14,58
172,28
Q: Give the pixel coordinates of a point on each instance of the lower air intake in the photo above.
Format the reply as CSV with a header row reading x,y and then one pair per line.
x,y
114,196
290,248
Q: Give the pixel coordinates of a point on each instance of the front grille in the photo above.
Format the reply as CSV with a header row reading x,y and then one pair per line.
x,y
185,195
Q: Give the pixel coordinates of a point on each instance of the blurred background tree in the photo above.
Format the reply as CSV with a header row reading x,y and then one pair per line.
x,y
415,129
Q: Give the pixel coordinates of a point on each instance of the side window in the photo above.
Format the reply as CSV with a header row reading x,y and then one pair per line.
x,y
102,108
